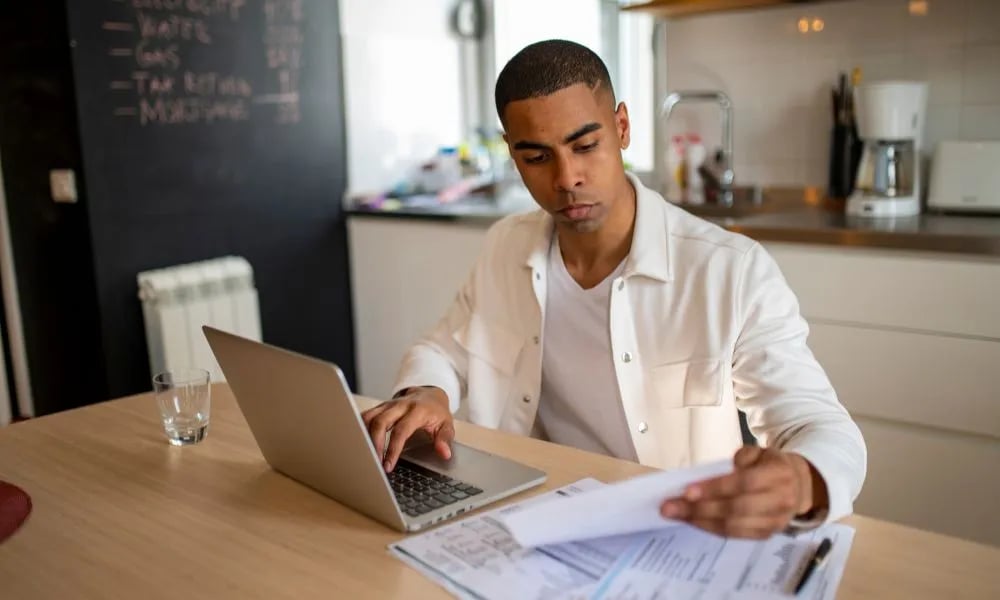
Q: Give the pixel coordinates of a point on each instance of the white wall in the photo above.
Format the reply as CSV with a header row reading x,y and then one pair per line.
x,y
780,79
402,83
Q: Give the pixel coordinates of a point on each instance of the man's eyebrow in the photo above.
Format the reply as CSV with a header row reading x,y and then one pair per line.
x,y
531,146
569,139
579,133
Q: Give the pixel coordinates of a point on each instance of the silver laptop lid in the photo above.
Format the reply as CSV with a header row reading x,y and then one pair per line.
x,y
306,424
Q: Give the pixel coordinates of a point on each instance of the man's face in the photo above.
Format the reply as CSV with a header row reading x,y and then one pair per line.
x,y
567,147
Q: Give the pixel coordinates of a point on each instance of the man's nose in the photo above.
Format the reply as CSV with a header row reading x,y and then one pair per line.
x,y
568,175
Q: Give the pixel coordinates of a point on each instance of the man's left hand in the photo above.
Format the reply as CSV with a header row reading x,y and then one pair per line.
x,y
766,489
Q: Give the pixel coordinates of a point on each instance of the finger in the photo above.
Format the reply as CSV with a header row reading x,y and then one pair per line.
x,y
774,502
401,432
741,481
443,437
383,422
373,412
747,527
747,456
675,508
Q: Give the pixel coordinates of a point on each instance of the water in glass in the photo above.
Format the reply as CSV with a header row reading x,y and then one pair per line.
x,y
184,400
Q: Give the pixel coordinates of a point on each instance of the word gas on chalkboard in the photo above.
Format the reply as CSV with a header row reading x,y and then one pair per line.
x,y
186,61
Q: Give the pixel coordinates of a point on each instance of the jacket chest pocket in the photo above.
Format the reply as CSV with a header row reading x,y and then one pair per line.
x,y
691,384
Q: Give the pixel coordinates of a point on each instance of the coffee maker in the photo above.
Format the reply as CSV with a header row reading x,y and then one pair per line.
x,y
890,118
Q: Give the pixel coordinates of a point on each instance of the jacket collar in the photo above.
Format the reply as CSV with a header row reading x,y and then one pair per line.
x,y
650,253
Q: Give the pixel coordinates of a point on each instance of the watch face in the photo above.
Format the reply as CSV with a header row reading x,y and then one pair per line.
x,y
806,521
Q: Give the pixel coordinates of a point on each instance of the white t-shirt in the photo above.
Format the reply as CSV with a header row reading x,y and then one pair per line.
x,y
580,405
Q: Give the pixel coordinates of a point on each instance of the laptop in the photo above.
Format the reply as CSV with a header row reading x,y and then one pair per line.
x,y
304,419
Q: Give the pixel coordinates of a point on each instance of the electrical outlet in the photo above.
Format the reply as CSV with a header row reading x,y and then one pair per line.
x,y
62,183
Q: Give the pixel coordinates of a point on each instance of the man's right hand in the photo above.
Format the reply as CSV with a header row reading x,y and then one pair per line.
x,y
420,408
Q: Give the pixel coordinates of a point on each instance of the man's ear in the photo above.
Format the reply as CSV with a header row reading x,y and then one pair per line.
x,y
623,125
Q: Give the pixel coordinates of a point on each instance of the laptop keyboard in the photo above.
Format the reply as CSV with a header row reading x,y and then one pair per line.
x,y
419,490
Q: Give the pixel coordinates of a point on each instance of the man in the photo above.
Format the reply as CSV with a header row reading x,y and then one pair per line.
x,y
615,322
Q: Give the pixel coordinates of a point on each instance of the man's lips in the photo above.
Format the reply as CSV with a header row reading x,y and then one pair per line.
x,y
577,211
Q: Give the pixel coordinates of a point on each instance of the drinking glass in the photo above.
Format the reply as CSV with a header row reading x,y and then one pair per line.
x,y
184,399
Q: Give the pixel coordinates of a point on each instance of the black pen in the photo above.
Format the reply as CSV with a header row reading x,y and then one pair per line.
x,y
817,560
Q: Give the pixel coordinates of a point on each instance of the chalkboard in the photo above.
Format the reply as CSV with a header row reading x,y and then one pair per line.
x,y
213,127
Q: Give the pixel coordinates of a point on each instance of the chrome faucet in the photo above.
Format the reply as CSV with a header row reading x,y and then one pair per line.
x,y
718,168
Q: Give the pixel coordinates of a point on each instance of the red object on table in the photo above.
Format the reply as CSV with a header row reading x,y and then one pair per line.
x,y
15,506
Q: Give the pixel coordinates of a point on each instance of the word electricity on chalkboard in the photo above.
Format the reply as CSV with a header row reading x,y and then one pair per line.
x,y
196,61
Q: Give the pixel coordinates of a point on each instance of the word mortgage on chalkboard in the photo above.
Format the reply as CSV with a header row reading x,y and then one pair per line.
x,y
160,49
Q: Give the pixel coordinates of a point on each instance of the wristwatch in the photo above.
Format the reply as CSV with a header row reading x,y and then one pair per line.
x,y
807,521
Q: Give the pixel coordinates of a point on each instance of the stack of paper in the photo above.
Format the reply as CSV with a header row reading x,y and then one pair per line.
x,y
481,557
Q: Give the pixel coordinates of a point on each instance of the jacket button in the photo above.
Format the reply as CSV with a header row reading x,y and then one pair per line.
x,y
643,428
627,357
538,276
621,285
526,399
536,339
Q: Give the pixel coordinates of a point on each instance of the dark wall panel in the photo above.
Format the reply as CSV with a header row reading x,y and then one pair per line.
x,y
51,242
209,129
197,129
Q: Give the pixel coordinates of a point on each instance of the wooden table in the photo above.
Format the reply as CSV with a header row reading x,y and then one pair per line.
x,y
120,513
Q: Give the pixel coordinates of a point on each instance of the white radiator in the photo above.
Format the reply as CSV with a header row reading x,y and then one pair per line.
x,y
177,301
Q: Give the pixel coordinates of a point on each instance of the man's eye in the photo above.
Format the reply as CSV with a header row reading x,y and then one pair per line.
x,y
535,158
586,148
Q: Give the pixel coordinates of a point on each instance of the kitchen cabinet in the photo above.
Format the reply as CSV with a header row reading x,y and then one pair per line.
x,y
404,275
687,8
911,342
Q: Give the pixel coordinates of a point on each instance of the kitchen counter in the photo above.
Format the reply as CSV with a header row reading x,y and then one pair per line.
x,y
935,233
477,210
790,217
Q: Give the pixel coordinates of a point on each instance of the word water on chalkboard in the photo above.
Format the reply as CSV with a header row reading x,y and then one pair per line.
x,y
164,46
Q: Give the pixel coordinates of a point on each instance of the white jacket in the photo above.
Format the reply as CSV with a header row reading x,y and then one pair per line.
x,y
702,324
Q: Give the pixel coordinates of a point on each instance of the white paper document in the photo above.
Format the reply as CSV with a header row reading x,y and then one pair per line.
x,y
687,563
479,558
626,507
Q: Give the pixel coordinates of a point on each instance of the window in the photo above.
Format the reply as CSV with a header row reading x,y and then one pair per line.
x,y
623,40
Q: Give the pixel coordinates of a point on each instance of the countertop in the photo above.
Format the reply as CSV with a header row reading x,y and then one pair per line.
x,y
479,209
928,232
795,216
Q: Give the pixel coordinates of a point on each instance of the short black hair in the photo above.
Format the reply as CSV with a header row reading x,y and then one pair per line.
x,y
546,67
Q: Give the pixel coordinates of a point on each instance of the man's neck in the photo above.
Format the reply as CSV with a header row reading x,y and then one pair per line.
x,y
590,257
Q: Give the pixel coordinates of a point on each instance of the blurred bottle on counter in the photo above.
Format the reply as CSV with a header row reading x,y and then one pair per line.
x,y
694,158
449,166
674,184
475,156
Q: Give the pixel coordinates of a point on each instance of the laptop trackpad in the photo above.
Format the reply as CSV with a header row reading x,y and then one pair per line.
x,y
466,464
